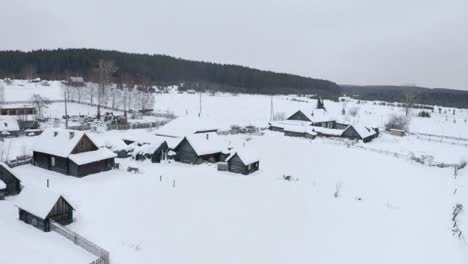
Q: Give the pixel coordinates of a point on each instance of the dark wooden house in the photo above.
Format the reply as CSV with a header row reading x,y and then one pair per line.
x,y
198,149
72,153
359,132
38,207
76,81
156,152
244,162
7,176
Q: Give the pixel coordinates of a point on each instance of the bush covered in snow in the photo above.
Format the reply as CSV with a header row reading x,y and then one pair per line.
x,y
397,122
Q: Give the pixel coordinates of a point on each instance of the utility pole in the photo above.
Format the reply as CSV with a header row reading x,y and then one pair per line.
x,y
271,109
200,111
66,112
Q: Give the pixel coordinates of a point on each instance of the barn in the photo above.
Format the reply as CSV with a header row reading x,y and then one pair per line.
x,y
197,149
72,153
11,182
38,206
299,131
187,126
243,161
360,132
155,151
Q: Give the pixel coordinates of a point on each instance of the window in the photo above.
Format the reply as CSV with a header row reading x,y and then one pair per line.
x,y
52,161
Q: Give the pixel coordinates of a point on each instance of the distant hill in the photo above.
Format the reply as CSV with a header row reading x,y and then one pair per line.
x,y
422,95
163,70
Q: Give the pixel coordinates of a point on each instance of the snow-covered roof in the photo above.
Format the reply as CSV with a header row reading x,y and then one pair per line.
x,y
8,123
76,79
6,167
328,131
290,123
148,148
16,106
59,142
187,125
3,185
37,201
247,155
204,146
91,156
115,144
315,115
363,131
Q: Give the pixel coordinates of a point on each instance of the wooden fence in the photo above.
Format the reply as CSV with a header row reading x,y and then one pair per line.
x,y
101,254
19,161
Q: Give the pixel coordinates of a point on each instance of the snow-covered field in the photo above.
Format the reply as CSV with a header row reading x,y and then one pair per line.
x,y
346,205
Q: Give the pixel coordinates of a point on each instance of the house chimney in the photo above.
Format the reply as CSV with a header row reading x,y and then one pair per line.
x,y
72,134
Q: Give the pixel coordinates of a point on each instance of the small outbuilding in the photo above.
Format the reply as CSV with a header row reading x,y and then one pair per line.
x,y
8,178
366,134
38,206
243,161
156,152
76,81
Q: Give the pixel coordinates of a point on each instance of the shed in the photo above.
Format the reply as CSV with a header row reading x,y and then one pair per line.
x,y
243,161
76,81
37,206
397,132
156,152
12,183
72,153
197,149
366,134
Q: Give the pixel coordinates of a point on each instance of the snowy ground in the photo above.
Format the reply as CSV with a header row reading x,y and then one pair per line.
x,y
387,210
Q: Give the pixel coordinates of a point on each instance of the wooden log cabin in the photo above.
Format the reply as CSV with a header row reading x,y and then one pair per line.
x,y
359,132
38,206
198,149
72,153
156,152
12,183
243,162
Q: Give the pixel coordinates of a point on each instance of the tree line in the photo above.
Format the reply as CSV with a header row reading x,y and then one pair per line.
x,y
159,70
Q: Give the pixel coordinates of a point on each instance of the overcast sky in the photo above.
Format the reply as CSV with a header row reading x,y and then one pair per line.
x,y
422,42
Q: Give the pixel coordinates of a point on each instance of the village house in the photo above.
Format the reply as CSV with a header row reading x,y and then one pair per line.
x,y
76,81
39,206
299,131
20,111
243,161
11,182
72,153
197,149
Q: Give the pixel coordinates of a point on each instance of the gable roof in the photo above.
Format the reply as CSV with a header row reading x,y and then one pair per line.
x,y
8,123
363,131
59,142
37,201
148,148
203,146
248,156
315,115
185,126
